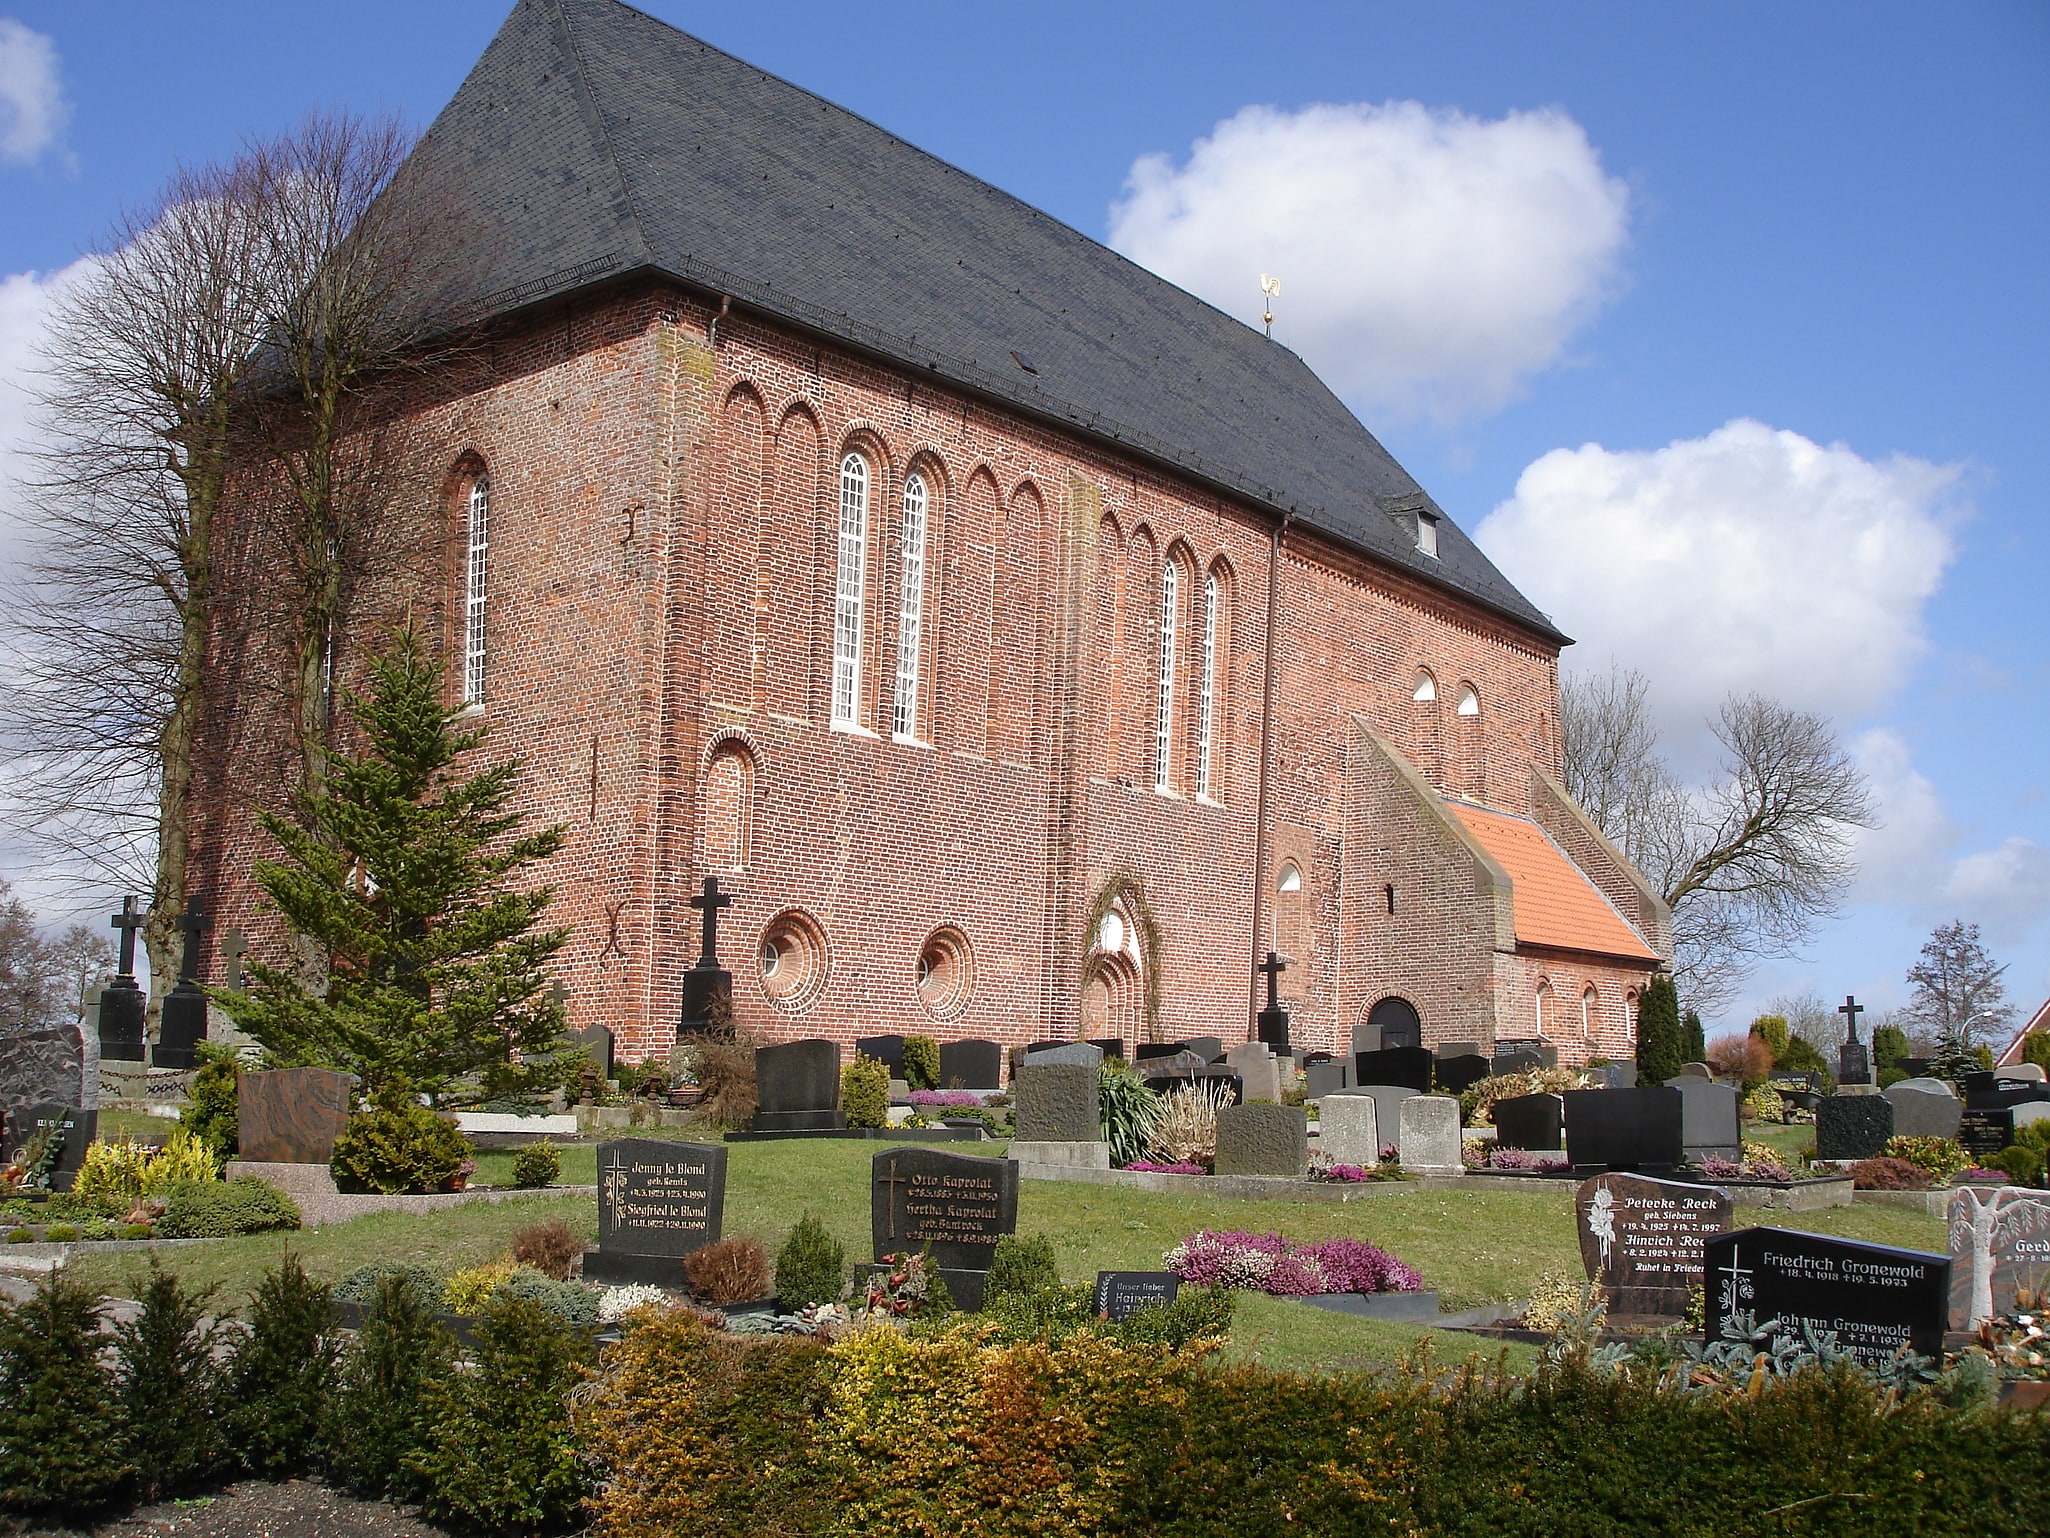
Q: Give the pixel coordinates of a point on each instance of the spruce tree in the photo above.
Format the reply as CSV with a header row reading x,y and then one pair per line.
x,y
1693,1039
1658,1032
170,1387
402,870
63,1438
282,1376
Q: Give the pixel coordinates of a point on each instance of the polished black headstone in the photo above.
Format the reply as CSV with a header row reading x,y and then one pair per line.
x,y
1113,1046
1874,1299
1403,1067
1211,1047
596,1040
952,1207
797,1087
123,1007
1985,1133
1623,1129
971,1064
1121,1294
1516,1062
78,1127
1461,1073
888,1050
1531,1121
657,1201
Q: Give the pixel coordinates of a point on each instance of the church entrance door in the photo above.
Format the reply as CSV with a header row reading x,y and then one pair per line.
x,y
1399,1026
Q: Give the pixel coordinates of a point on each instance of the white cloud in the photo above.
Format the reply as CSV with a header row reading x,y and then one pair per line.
x,y
33,111
1905,856
1431,262
26,299
2006,888
1750,559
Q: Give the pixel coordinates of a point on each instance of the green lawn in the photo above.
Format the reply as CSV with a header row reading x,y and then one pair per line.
x,y
1478,1246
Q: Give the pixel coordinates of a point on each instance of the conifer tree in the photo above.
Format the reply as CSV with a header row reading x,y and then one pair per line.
x,y
402,871
1658,1032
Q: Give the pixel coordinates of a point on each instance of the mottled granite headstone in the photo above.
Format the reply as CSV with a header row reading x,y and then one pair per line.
x,y
1258,1069
1077,1054
1428,1139
1321,1079
1924,1108
43,1066
1348,1131
291,1115
1263,1139
1056,1103
1708,1118
1853,1126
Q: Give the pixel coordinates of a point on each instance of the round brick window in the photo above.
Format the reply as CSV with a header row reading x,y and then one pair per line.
x,y
945,972
793,960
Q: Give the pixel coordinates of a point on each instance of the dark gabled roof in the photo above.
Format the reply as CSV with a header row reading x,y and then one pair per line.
x,y
592,140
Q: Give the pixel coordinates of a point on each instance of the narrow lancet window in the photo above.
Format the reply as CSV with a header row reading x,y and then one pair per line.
x,y
1207,702
848,590
1163,719
473,592
910,608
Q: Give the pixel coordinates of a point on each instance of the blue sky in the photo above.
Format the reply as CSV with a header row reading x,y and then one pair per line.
x,y
1724,325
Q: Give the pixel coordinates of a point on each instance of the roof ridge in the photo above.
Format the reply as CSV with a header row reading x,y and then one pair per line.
x,y
558,15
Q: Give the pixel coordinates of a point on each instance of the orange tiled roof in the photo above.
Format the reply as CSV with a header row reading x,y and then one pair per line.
x,y
1556,904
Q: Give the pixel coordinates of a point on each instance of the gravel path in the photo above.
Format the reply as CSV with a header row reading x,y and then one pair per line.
x,y
301,1508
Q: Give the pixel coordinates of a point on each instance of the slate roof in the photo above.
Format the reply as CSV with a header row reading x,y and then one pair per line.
x,y
592,140
1556,905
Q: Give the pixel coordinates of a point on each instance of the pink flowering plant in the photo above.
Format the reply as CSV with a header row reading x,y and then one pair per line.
x,y
1713,1167
945,1097
1150,1167
1283,1268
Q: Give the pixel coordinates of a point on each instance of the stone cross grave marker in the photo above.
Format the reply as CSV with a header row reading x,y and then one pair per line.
x,y
1999,1242
1623,1129
1642,1240
706,981
233,948
122,1004
1271,1024
1121,1294
1263,1139
1853,1058
657,1201
182,1023
1874,1299
292,1115
952,1207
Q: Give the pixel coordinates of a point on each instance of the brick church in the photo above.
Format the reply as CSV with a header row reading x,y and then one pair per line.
x,y
1028,646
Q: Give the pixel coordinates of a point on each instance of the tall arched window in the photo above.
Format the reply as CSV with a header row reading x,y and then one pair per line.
x,y
1544,1006
473,592
1469,702
1163,718
1590,1010
1206,712
848,590
1426,686
910,608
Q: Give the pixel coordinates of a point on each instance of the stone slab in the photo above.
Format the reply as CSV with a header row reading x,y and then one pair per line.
x,y
1258,1069
292,1115
1428,1136
1068,1154
1348,1130
1873,1298
1263,1139
1530,1121
1408,1306
44,1066
1641,1239
1408,1067
957,1206
1708,1118
1624,1129
1852,1126
657,1202
796,1077
1924,1108
971,1064
1999,1241
1056,1102
1076,1054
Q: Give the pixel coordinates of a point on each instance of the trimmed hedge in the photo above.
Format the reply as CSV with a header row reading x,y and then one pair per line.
x,y
220,1209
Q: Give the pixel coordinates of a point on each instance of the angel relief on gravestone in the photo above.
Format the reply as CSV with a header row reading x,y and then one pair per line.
x,y
1601,1222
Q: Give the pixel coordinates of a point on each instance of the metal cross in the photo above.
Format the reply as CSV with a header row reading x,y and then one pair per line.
x,y
233,948
893,1180
192,924
128,920
709,902
1850,1009
1273,966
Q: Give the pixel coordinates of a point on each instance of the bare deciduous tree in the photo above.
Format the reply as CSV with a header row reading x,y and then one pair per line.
x,y
1958,996
44,980
1749,862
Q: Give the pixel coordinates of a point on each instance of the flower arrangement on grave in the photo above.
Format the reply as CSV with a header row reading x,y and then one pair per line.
x,y
1942,1157
2019,1342
1561,1301
1477,1100
1283,1268
1154,1167
946,1097
1355,1174
1768,1168
1516,1161
902,1287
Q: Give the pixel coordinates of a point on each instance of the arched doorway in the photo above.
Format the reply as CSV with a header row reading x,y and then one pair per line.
x,y
1400,1025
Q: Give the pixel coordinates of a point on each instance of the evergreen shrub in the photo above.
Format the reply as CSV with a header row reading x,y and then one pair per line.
x,y
169,1386
1659,1043
537,1165
574,1305
1889,1046
2037,1049
2022,1165
213,1111
380,1416
1022,1264
282,1374
220,1209
921,1062
1773,1031
811,1267
399,1147
63,1442
498,1453
865,1091
365,1284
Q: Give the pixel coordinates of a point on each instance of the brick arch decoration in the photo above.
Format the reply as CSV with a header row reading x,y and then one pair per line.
x,y
1396,995
1123,890
863,437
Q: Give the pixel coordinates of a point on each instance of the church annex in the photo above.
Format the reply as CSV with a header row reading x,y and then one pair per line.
x,y
1027,645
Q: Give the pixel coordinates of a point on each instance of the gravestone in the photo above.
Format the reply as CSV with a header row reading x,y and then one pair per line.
x,y
1121,1294
1621,1075
1112,1046
1056,1103
1258,1070
597,1041
1642,1240
40,1067
1515,1061
1263,1139
954,1207
1852,1126
123,1005
1696,1071
291,1115
1623,1129
657,1201
1210,1048
707,981
2029,1073
1184,1063
77,1125
797,1087
1999,1241
1924,1108
1985,1133
1147,1050
1270,1025
1075,1054
971,1064
1427,1135
181,1024
1387,1100
1530,1121
1321,1079
1708,1118
1874,1299
1348,1131
1408,1067
1447,1049
887,1050
1460,1073
1853,1058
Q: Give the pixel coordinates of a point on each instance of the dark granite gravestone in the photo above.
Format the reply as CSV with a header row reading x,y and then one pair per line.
x,y
597,1041
1985,1133
1321,1079
123,1005
1146,1050
888,1050
78,1126
971,1064
1458,1074
1874,1299
1641,1239
41,1067
1113,1046
1183,1063
1708,1118
657,1201
1623,1129
1620,1075
1530,1121
1261,1138
1056,1103
1924,1108
953,1207
1852,1126
1999,1242
2010,1093
1853,1058
1446,1049
1270,1026
1406,1067
1210,1048
291,1115
707,981
181,1025
797,1087
1121,1294
1515,1062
